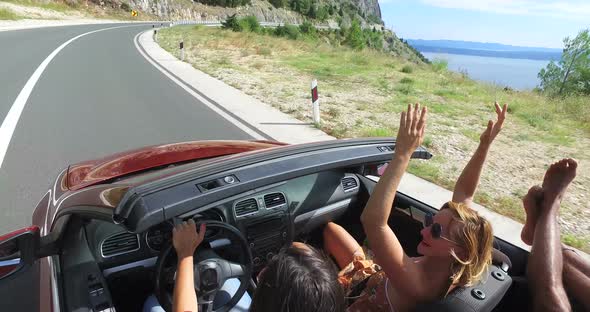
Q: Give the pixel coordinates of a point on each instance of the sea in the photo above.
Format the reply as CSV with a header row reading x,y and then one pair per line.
x,y
518,74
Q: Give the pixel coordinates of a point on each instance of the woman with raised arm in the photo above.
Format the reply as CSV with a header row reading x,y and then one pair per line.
x,y
456,243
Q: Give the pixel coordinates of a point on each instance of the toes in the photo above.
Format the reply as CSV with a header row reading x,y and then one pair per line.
x,y
572,163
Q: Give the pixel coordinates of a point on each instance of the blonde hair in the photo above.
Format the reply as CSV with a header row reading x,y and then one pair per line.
x,y
476,237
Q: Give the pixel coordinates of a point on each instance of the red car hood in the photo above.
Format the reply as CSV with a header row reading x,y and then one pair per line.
x,y
99,170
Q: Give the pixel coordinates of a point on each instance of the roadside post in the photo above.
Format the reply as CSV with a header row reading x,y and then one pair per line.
x,y
315,101
182,51
155,35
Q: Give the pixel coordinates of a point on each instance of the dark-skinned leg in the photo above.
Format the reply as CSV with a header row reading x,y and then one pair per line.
x,y
576,269
576,277
545,266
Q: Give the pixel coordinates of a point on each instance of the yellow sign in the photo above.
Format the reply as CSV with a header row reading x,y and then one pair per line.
x,y
133,13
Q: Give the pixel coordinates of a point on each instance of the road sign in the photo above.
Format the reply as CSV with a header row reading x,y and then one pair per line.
x,y
133,13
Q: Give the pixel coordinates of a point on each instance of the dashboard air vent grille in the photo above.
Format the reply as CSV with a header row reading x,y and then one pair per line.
x,y
246,206
349,183
119,243
274,199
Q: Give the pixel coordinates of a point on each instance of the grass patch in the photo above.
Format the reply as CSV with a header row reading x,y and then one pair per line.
x,y
379,132
405,89
54,6
425,170
505,205
427,141
428,170
472,135
6,14
582,243
406,80
264,51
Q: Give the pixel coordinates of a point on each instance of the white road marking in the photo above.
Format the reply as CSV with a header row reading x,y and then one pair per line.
x,y
11,119
201,99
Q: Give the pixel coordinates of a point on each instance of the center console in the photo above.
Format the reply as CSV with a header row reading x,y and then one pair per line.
x,y
266,235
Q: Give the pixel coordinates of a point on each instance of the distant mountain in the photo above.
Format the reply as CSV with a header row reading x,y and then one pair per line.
x,y
485,49
471,45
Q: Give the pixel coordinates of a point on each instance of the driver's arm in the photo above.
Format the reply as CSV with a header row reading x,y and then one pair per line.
x,y
185,240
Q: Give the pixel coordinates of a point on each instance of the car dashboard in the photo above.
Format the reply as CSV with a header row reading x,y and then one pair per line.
x,y
268,217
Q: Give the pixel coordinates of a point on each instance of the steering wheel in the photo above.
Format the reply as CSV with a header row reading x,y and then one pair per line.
x,y
211,271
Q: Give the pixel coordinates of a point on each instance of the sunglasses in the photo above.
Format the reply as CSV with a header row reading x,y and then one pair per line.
x,y
435,228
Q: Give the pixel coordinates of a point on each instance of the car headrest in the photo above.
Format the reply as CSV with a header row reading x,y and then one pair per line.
x,y
481,297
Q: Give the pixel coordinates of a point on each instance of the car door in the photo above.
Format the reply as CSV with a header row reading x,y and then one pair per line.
x,y
19,270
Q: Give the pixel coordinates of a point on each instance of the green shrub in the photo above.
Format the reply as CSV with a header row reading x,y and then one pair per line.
x,y
232,22
374,39
125,7
307,28
250,23
290,31
407,69
440,65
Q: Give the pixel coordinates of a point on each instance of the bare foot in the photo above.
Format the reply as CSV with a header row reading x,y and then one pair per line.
x,y
557,179
532,205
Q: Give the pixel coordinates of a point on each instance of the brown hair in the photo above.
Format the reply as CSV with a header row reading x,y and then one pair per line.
x,y
299,279
476,237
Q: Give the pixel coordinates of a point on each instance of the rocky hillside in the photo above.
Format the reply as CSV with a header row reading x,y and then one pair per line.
x,y
329,12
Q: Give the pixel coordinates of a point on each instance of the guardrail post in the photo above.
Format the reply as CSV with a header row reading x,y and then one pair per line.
x,y
182,51
315,101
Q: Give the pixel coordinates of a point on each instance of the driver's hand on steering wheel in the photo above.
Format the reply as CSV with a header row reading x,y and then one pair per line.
x,y
186,239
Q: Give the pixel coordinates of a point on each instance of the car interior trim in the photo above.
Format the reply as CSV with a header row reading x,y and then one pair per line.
x,y
146,263
323,210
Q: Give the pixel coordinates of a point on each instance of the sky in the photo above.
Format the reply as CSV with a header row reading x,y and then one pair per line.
x,y
531,23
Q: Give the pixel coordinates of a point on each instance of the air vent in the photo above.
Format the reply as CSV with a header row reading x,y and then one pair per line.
x,y
349,183
274,200
246,207
120,243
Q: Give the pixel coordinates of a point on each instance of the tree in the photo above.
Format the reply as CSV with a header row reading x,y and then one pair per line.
x,y
354,37
323,13
312,12
279,3
571,74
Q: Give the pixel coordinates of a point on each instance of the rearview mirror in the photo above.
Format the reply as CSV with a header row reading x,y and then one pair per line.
x,y
18,250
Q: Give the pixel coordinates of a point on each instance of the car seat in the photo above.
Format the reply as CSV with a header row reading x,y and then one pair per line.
x,y
482,297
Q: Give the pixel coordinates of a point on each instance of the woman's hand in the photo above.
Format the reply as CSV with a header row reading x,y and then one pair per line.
x,y
488,136
411,130
186,239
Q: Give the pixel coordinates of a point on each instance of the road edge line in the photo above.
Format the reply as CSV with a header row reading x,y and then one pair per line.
x,y
216,107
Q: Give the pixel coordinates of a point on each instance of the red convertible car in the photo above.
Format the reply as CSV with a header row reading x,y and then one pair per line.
x,y
100,236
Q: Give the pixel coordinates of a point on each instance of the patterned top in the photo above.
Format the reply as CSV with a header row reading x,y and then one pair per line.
x,y
374,297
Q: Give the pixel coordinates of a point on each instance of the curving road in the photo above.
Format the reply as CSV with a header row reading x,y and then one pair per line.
x,y
97,96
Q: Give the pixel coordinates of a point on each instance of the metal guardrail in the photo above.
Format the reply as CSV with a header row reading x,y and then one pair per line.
x,y
217,23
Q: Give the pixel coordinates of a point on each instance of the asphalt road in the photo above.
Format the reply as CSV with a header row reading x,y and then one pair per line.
x,y
98,96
